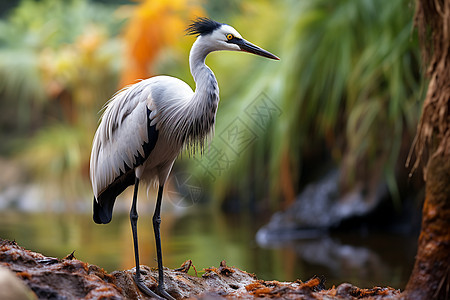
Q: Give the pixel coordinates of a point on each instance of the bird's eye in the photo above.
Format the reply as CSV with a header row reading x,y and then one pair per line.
x,y
230,36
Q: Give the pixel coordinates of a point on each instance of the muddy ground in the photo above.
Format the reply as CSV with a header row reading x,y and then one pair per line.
x,y
69,278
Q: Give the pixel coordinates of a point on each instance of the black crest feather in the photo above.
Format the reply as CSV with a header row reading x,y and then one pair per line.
x,y
202,26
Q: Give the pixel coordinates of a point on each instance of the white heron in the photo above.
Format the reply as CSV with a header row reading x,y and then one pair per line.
x,y
145,126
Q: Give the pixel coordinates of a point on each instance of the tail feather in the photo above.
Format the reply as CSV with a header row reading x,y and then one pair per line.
x,y
103,213
104,204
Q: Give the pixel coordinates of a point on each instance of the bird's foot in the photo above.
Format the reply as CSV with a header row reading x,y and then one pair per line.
x,y
163,294
162,291
143,288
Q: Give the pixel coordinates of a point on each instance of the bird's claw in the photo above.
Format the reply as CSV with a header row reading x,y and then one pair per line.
x,y
143,288
163,294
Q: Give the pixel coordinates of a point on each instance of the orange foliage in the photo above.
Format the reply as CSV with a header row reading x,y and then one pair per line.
x,y
155,24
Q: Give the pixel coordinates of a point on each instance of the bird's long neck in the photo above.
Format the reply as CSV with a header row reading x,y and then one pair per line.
x,y
203,104
205,81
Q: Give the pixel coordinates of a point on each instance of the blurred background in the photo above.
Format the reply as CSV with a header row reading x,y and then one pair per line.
x,y
305,175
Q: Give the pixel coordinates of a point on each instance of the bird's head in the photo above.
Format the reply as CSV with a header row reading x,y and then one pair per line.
x,y
215,36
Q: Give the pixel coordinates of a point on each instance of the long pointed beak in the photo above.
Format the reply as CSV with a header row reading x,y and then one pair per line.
x,y
251,48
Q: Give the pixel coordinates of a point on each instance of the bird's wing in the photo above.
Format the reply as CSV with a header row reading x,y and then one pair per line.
x,y
129,129
124,139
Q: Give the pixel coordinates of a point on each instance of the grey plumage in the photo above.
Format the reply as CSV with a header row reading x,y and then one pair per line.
x,y
145,126
180,117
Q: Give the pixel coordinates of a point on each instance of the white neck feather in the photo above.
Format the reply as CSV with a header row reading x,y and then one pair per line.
x,y
203,105
203,76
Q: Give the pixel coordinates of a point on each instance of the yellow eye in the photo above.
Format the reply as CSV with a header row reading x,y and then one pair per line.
x,y
229,36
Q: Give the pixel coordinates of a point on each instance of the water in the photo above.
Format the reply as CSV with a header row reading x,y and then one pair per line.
x,y
208,238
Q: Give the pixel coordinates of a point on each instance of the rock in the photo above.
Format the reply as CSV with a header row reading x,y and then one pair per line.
x,y
69,278
12,288
320,206
52,278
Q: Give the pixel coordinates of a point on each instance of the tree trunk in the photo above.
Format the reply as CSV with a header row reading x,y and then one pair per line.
x,y
430,278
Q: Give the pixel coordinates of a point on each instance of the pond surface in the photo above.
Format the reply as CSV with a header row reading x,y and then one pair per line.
x,y
208,238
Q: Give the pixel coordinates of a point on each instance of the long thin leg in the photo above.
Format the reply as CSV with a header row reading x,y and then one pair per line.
x,y
133,220
156,225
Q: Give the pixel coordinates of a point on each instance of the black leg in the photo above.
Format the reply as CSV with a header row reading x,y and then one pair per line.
x,y
133,219
156,225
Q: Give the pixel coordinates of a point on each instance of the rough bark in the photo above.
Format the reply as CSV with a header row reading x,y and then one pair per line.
x,y
430,276
432,20
69,278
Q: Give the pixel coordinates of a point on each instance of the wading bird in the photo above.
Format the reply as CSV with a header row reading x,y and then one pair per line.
x,y
145,126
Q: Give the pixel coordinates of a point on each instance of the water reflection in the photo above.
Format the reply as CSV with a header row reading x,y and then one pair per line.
x,y
207,238
363,261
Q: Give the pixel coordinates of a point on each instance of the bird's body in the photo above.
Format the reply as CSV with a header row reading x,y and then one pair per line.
x,y
146,125
159,116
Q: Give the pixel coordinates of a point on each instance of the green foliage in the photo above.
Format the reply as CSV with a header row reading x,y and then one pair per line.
x,y
348,80
58,65
56,156
347,84
40,46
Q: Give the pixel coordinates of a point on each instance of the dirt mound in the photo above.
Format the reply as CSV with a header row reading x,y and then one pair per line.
x,y
69,278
